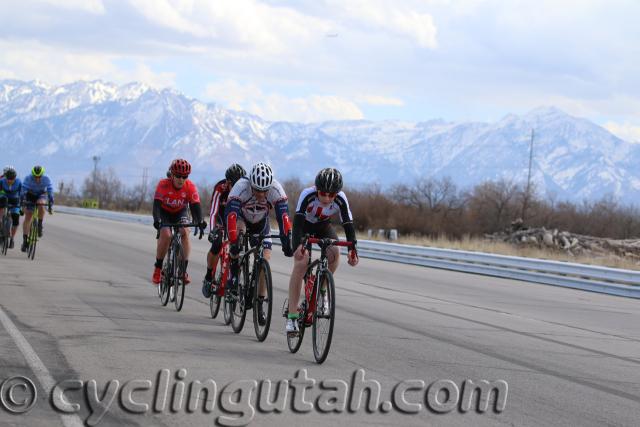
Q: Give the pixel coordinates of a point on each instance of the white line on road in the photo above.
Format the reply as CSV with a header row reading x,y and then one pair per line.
x,y
36,365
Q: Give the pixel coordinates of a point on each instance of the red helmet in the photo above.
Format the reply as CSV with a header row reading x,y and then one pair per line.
x,y
180,167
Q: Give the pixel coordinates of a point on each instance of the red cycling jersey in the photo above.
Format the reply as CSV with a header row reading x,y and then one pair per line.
x,y
173,199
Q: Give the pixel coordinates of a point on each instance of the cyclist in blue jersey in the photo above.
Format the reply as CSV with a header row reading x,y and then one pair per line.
x,y
10,188
36,190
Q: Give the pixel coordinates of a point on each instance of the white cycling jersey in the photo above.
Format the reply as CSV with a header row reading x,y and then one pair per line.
x,y
252,210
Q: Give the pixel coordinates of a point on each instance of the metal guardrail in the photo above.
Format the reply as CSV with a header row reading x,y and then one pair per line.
x,y
611,281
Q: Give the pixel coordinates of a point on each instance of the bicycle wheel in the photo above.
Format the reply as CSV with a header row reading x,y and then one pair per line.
x,y
294,341
33,239
178,276
215,298
239,313
227,308
6,233
323,315
165,280
264,305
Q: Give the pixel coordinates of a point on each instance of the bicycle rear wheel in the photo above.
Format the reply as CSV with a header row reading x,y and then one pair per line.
x,y
33,239
239,313
263,274
178,276
294,341
323,315
227,308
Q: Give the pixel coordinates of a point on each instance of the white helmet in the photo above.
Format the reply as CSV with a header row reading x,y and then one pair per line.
x,y
261,176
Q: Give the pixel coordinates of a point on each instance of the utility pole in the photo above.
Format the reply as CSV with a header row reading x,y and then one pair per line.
x,y
525,203
143,192
96,159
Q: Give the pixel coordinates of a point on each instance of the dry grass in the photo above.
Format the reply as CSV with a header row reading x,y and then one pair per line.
x,y
484,245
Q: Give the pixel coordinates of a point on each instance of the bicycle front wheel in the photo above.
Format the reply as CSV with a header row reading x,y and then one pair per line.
x,y
178,276
323,315
216,298
262,305
6,234
33,239
239,313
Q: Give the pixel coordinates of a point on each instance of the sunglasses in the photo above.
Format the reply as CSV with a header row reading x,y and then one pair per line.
x,y
181,176
326,194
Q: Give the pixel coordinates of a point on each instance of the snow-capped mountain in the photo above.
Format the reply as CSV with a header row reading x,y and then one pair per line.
x,y
132,127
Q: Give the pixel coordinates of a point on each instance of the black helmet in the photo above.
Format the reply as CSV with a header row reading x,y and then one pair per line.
x,y
234,173
10,172
329,180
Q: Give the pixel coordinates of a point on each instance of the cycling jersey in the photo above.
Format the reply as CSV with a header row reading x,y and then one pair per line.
x,y
173,200
30,185
242,201
218,204
311,211
12,191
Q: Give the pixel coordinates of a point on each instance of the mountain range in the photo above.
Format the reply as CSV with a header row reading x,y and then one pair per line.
x,y
133,127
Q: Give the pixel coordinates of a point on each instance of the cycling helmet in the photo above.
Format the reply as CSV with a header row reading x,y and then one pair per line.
x,y
10,172
329,180
37,171
180,167
234,173
261,176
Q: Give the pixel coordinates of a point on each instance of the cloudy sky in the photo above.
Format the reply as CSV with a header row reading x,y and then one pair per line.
x,y
312,60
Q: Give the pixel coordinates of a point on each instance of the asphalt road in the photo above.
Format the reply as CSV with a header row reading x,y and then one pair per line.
x,y
86,310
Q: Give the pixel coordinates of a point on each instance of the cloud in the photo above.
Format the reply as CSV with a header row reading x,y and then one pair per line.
x,y
398,18
37,61
627,131
275,106
381,100
91,6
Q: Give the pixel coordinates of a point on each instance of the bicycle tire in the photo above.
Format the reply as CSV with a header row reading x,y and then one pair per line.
x,y
33,239
323,320
264,269
226,309
166,279
215,298
239,313
178,276
6,233
294,341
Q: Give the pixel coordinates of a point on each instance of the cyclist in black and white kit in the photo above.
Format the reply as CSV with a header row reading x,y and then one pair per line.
x,y
316,206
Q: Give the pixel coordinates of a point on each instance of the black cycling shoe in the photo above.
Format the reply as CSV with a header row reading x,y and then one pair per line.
x,y
206,288
39,229
23,248
11,243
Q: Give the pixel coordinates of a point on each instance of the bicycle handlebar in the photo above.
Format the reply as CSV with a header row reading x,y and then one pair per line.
x,y
181,225
327,242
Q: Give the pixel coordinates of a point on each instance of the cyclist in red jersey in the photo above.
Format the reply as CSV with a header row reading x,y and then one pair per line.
x,y
217,222
173,196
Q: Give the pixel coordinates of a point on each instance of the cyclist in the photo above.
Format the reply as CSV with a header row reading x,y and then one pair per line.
x,y
316,206
36,190
216,221
10,189
171,199
248,207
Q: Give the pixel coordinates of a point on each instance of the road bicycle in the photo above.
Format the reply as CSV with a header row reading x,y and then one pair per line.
x,y
318,308
32,237
172,283
219,296
246,295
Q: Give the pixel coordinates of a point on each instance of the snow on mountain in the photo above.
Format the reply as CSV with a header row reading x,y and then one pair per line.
x,y
132,127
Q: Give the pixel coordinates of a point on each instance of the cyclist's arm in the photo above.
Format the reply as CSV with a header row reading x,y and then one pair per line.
x,y
157,209
298,226
215,206
346,217
282,210
50,190
232,212
196,212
